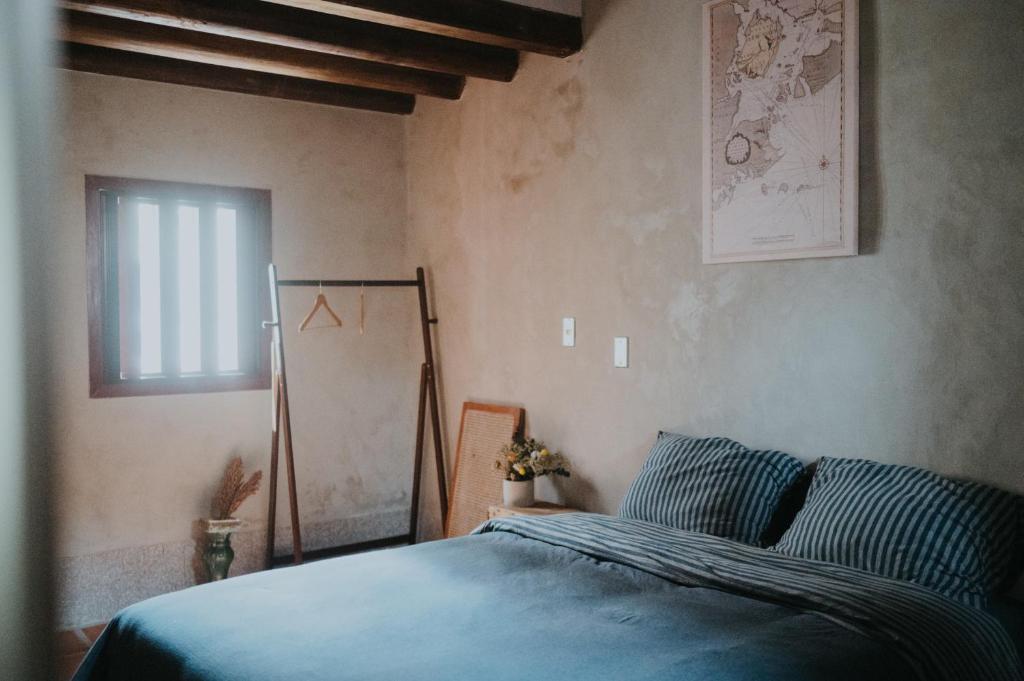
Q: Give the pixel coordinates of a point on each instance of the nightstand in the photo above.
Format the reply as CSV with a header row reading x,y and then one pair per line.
x,y
540,508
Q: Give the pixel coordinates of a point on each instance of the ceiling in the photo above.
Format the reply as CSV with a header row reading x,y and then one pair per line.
x,y
365,54
574,7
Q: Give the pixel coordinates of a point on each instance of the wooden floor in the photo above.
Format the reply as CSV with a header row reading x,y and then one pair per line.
x,y
72,645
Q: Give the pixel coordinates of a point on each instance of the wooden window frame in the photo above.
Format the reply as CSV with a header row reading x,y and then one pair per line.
x,y
105,337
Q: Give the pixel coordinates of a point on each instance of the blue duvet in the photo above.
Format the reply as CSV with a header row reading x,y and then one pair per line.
x,y
570,597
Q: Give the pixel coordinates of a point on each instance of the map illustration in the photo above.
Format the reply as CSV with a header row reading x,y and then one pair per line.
x,y
780,129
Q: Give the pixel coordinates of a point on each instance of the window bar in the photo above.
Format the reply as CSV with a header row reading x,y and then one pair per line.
x,y
250,282
111,299
208,286
227,289
169,314
189,303
128,264
150,323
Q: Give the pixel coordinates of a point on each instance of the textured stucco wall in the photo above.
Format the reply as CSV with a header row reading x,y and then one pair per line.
x,y
575,191
135,473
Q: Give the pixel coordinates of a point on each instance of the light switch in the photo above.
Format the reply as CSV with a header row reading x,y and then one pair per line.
x,y
621,352
568,332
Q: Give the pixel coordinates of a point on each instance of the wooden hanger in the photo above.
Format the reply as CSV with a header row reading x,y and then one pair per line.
x,y
320,302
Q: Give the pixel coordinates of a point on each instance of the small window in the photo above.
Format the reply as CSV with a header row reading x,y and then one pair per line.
x,y
177,287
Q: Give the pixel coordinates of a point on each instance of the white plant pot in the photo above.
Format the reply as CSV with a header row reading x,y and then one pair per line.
x,y
517,492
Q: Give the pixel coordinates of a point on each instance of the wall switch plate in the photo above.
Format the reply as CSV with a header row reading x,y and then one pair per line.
x,y
568,332
621,352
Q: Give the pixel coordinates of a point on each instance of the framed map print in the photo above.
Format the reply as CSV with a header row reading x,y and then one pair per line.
x,y
780,129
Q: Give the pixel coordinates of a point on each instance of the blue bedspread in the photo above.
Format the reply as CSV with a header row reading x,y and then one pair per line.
x,y
570,597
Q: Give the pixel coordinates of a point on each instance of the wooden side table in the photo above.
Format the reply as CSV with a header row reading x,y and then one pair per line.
x,y
540,508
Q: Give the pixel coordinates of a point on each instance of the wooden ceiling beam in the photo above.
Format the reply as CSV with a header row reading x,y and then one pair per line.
x,y
163,70
492,22
175,43
314,31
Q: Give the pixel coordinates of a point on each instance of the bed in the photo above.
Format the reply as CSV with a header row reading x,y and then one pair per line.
x,y
576,596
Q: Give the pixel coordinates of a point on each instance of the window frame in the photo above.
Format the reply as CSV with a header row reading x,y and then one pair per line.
x,y
254,215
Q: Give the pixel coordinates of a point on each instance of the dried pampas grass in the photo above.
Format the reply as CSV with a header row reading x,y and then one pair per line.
x,y
234,489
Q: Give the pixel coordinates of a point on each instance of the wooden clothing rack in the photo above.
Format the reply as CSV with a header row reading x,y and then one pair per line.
x,y
282,423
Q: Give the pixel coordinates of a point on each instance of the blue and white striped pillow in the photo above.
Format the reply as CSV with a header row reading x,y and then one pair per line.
x,y
710,485
958,538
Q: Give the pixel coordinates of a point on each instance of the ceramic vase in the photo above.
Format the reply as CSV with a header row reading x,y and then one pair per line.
x,y
517,493
219,554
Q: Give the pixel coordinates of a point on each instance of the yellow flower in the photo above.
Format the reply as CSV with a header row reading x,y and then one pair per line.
x,y
544,452
520,468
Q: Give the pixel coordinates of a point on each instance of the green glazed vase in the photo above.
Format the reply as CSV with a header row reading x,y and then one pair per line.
x,y
219,554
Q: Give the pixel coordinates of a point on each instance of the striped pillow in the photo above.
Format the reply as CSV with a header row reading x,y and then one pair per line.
x,y
710,485
958,538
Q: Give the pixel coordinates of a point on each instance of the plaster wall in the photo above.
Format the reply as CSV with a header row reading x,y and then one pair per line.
x,y
136,473
576,191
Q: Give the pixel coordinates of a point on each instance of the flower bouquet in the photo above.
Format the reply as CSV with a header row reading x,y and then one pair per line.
x,y
523,460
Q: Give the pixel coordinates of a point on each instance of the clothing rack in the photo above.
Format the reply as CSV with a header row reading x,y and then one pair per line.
x,y
282,423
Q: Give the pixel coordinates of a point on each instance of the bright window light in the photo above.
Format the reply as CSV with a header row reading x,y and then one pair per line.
x,y
227,291
149,289
176,287
190,335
